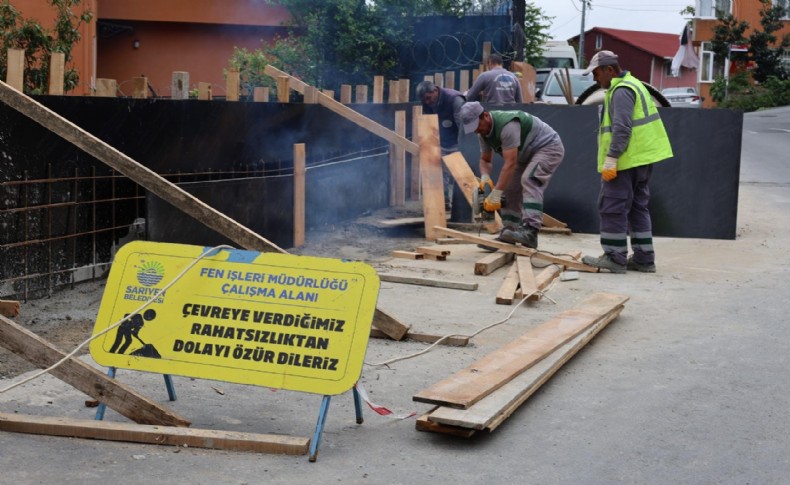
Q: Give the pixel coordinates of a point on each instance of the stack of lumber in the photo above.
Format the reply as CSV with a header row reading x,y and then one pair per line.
x,y
485,394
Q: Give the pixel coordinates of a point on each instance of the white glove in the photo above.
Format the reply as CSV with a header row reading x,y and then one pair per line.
x,y
494,201
609,171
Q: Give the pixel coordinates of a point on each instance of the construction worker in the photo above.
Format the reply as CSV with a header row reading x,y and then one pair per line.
x,y
445,103
532,151
498,85
631,139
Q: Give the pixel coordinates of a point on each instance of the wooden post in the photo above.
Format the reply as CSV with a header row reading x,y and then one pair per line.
x,y
431,176
106,88
329,92
180,85
140,87
463,82
204,91
398,164
15,74
449,79
414,186
283,89
378,89
57,65
299,194
438,79
486,55
394,92
428,77
260,94
362,93
310,95
403,95
475,74
232,85
345,93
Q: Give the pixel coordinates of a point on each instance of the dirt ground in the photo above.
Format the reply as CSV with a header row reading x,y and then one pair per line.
x,y
66,318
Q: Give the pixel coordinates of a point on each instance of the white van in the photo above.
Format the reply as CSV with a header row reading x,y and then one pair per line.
x,y
558,53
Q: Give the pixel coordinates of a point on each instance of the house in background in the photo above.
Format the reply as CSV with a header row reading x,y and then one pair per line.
x,y
648,55
706,18
130,38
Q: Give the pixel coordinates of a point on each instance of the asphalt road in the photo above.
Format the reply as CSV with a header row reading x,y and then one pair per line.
x,y
689,385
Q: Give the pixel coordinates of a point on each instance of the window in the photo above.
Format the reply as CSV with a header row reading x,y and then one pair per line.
x,y
598,41
709,68
714,8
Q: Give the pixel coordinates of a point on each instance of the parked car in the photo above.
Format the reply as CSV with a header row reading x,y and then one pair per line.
x,y
682,97
548,85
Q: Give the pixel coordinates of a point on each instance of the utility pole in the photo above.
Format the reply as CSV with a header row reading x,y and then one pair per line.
x,y
581,36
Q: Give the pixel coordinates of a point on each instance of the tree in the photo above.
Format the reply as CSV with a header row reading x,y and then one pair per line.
x,y
536,28
39,43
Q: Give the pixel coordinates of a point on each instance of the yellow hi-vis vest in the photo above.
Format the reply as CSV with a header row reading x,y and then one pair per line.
x,y
649,142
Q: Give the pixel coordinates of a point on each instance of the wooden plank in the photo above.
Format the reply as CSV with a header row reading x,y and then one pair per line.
x,y
205,91
299,194
179,85
526,276
432,251
156,435
488,374
451,341
387,324
348,113
139,87
403,90
414,186
9,308
345,93
555,230
398,164
507,290
283,89
393,95
328,93
491,411
549,221
140,174
260,94
15,69
423,423
431,176
437,283
549,274
435,257
522,250
449,79
85,378
232,84
407,255
378,89
462,173
463,83
57,66
361,94
438,79
428,77
492,262
106,88
486,54
450,240
310,95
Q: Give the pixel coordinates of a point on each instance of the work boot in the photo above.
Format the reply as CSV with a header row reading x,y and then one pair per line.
x,y
524,235
604,262
641,267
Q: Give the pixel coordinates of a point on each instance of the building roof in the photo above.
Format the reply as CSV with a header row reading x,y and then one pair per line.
x,y
655,43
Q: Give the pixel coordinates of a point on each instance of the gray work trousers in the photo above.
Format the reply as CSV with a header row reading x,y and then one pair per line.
x,y
623,207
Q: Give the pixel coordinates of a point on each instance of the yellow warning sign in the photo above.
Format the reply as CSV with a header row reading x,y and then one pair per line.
x,y
276,320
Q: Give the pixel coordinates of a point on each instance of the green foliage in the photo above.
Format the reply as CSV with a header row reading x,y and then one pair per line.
x,y
536,33
739,94
39,43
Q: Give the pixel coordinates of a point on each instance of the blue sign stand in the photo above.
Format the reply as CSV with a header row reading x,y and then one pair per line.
x,y
319,427
171,392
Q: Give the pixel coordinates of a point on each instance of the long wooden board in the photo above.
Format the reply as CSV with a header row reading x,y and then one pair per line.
x,y
526,276
488,374
157,435
348,113
452,341
436,283
9,308
491,262
85,378
493,409
431,176
153,182
521,250
507,290
458,167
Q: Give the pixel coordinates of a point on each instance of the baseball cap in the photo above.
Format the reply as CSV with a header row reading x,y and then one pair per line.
x,y
470,116
602,58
